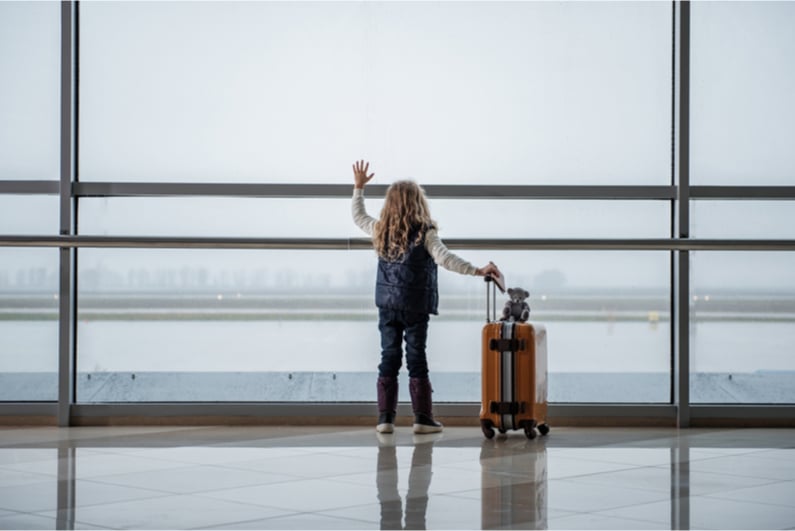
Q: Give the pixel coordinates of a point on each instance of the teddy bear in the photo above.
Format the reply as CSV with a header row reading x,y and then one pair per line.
x,y
516,307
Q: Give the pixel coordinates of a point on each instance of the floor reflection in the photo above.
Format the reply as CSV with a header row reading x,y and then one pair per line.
x,y
419,482
513,483
319,478
66,488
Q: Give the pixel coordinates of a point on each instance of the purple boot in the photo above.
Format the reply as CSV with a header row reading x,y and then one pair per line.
x,y
421,401
387,403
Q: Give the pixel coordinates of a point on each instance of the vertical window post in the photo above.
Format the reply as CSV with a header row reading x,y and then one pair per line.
x,y
682,289
66,297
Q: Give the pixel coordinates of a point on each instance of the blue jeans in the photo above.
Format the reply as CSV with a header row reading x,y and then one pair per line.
x,y
395,326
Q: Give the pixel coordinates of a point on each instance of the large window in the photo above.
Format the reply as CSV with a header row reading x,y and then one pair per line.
x,y
469,92
198,123
743,304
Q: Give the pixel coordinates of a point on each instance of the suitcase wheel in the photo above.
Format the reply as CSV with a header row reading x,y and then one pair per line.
x,y
543,429
488,428
529,427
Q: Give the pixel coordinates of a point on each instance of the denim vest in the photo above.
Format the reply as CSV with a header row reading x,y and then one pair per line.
x,y
408,284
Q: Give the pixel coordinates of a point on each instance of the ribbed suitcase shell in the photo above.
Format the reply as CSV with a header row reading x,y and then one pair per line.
x,y
514,378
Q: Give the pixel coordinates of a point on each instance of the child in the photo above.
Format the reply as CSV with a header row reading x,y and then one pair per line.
x,y
409,249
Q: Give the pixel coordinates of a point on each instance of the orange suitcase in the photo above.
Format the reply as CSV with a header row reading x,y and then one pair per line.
x,y
514,377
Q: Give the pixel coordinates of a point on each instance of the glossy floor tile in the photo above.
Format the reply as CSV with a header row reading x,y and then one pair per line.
x,y
352,478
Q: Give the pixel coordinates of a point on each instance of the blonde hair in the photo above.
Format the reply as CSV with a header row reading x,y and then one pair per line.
x,y
405,210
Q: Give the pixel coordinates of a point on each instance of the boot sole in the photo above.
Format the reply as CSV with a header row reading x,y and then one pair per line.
x,y
385,428
424,428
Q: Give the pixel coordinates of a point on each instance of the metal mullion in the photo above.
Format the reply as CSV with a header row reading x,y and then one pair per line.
x,y
672,212
557,244
438,191
29,187
742,192
66,320
682,273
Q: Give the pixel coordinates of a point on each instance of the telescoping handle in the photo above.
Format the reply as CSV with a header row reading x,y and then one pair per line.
x,y
495,282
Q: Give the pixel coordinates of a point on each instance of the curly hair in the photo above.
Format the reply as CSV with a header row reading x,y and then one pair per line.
x,y
405,210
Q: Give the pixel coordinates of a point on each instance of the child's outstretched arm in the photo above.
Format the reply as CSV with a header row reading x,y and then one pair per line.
x,y
360,179
452,262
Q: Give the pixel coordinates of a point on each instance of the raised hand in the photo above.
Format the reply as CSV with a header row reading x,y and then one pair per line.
x,y
360,177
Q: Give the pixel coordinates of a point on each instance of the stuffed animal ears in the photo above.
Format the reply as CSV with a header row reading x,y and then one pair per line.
x,y
522,293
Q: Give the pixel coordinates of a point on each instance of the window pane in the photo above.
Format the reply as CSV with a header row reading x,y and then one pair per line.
x,y
30,45
28,324
331,218
169,325
743,219
743,78
29,214
444,92
743,327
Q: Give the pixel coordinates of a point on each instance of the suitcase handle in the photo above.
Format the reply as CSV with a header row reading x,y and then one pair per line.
x,y
498,282
491,312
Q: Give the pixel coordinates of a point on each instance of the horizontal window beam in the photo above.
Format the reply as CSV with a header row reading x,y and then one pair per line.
x,y
30,187
440,191
742,192
564,244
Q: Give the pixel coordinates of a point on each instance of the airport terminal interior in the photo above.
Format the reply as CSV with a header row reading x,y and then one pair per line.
x,y
189,336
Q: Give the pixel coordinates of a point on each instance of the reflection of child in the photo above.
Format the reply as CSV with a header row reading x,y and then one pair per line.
x,y
419,482
409,249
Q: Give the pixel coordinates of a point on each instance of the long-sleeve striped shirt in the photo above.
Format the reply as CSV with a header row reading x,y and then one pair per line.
x,y
434,245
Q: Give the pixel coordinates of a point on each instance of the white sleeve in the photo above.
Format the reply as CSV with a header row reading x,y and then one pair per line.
x,y
446,258
360,216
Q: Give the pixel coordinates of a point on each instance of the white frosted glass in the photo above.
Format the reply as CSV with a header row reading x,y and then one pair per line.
x,y
331,218
28,324
29,270
742,327
29,214
30,90
450,92
155,317
742,85
763,272
742,219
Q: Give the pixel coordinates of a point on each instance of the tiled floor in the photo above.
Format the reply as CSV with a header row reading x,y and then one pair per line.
x,y
350,478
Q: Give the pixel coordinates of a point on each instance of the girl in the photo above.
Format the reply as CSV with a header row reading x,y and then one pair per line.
x,y
408,248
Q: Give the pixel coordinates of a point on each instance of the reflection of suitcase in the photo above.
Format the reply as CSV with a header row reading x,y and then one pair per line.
x,y
514,378
506,502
